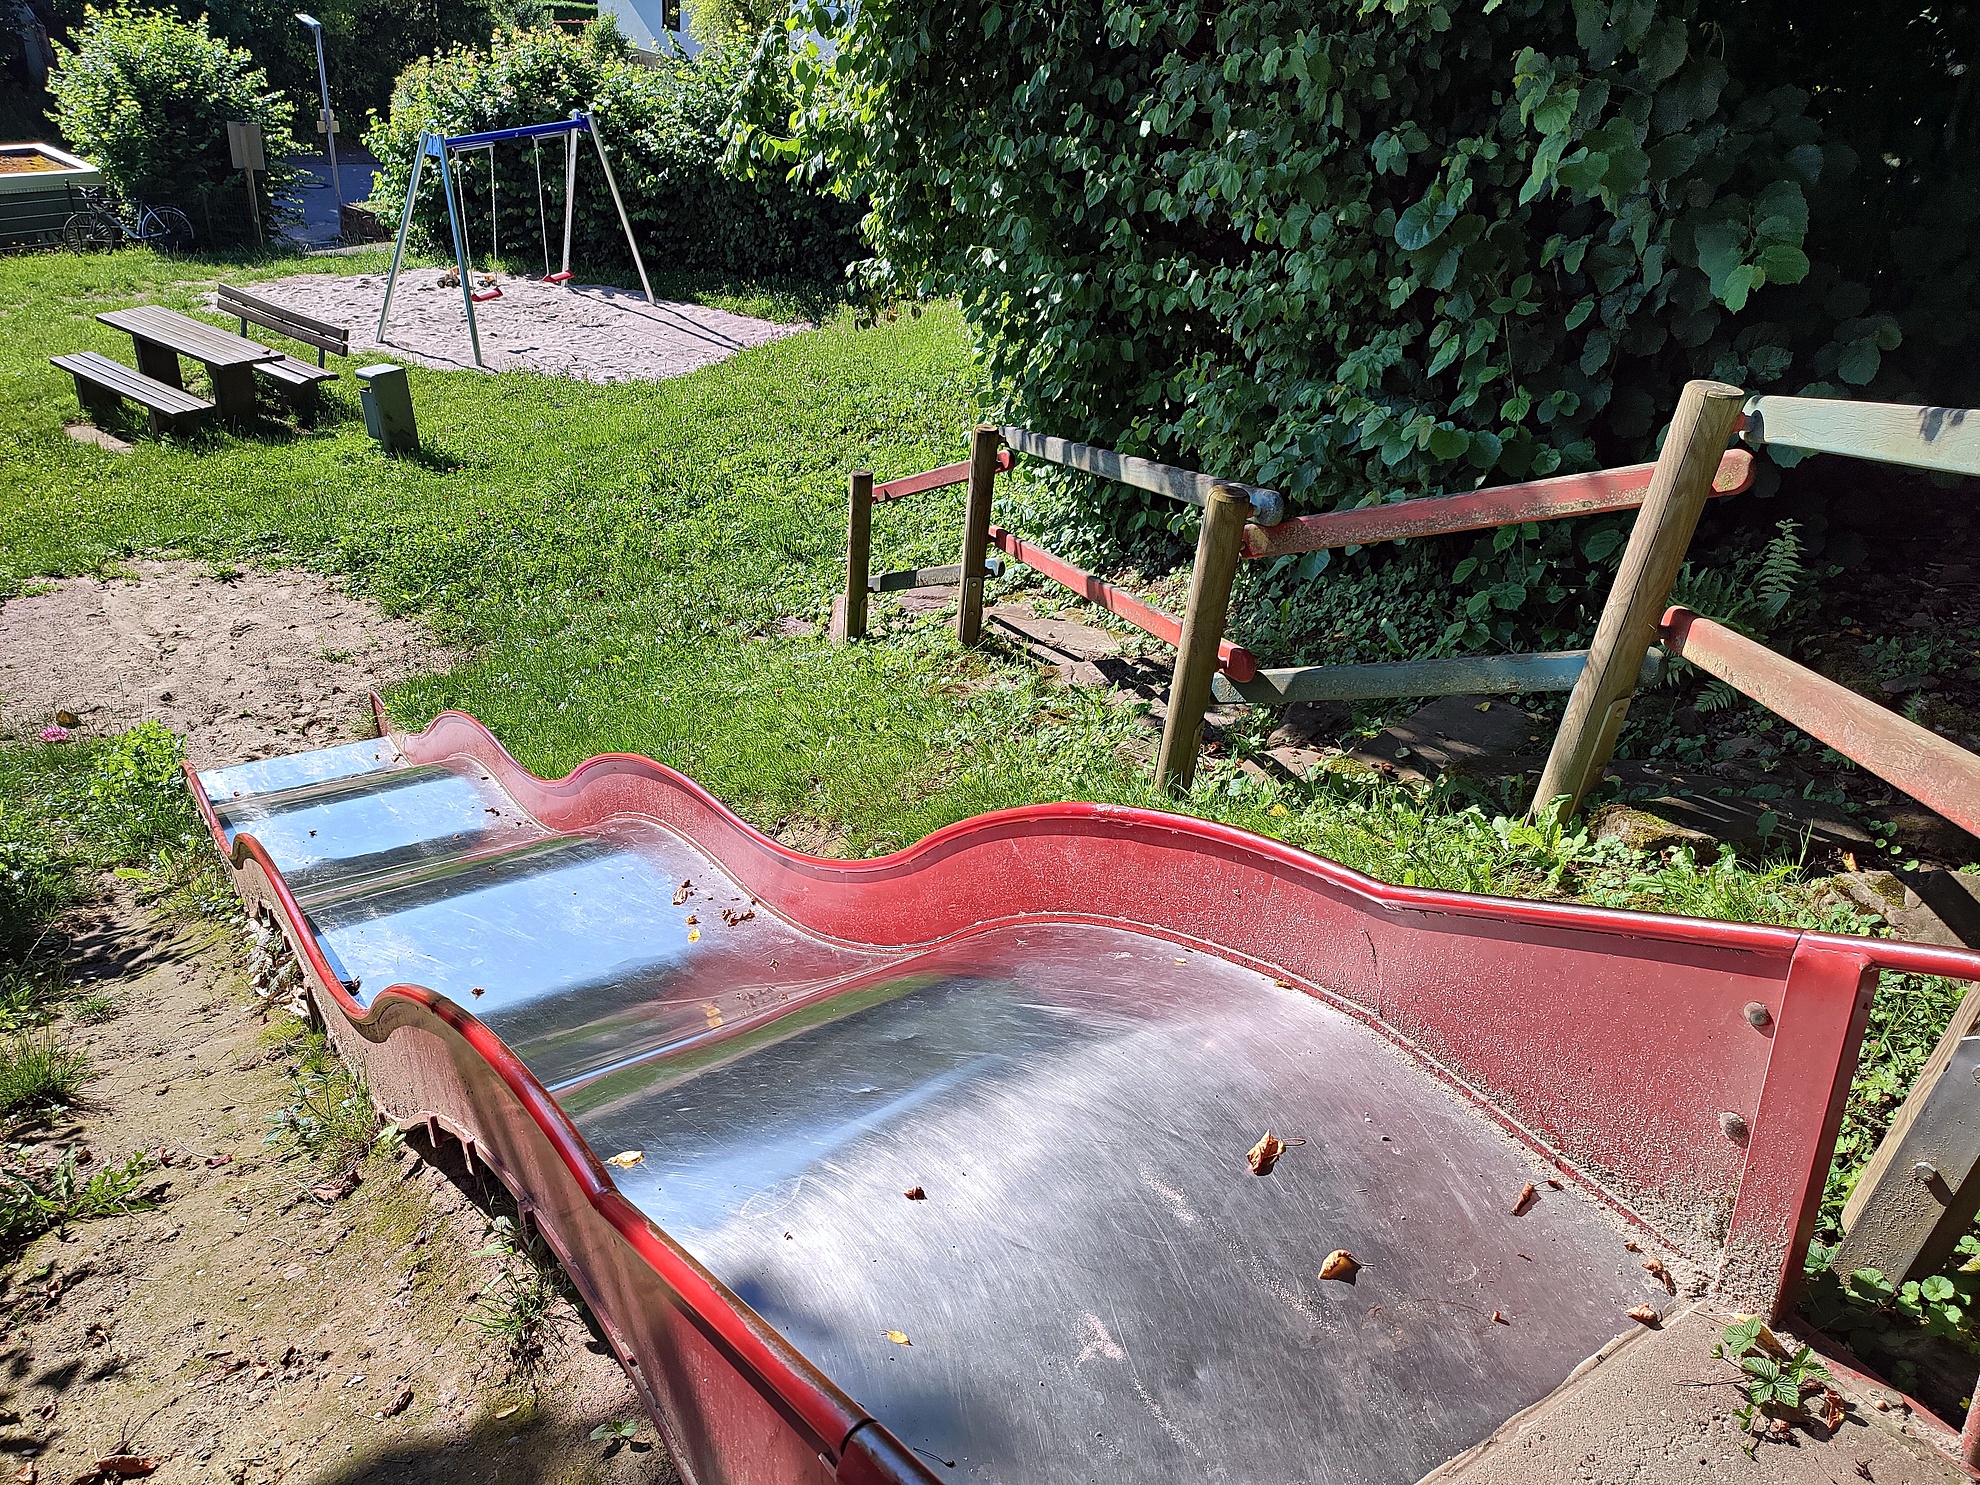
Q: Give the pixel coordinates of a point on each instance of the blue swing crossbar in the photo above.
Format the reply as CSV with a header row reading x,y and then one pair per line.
x,y
577,124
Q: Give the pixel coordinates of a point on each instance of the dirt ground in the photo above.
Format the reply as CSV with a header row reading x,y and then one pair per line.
x,y
588,332
248,1331
243,666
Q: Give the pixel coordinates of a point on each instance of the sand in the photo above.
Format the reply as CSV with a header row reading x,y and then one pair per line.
x,y
588,332
244,666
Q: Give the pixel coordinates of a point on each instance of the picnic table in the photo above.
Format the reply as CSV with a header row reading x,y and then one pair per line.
x,y
163,335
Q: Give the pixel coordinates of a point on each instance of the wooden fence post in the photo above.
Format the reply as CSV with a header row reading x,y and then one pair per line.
x,y
1218,546
976,530
1678,490
849,612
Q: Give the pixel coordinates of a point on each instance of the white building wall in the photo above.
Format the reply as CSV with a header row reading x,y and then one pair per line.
x,y
642,22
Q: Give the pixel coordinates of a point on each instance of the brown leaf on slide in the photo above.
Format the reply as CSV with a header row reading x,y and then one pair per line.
x,y
1644,1315
1498,1318
1528,1194
1262,1156
915,1193
1339,1264
681,893
898,1337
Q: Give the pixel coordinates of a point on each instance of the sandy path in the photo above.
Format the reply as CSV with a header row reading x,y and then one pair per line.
x,y
587,332
248,1332
261,663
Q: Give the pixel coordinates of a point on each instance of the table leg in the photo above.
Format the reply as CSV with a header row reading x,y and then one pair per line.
x,y
159,362
233,391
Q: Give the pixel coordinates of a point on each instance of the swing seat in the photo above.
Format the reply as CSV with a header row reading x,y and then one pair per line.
x,y
557,278
482,296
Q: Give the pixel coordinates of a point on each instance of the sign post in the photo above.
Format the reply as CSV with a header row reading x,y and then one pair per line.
x,y
244,143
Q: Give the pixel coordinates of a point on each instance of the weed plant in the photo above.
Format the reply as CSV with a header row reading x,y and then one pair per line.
x,y
39,1071
329,1119
518,1307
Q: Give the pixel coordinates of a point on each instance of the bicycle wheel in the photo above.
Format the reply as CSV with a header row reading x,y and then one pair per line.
x,y
167,229
91,232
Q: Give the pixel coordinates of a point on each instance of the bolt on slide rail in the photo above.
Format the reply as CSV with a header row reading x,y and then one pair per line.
x,y
934,1166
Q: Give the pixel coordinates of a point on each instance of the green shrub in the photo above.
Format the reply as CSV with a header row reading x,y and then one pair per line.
x,y
1365,252
664,128
147,98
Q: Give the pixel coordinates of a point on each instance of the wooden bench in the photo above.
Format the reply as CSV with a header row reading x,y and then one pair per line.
x,y
298,379
102,384
250,310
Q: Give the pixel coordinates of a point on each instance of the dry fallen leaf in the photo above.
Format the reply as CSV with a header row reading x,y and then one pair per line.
x,y
1528,1194
681,894
1830,1407
1499,1319
66,718
399,1404
731,917
1643,1315
1654,1267
477,991
1552,1184
692,920
27,1474
899,1337
694,935
626,1159
915,1193
1339,1264
1265,1154
1631,1247
125,1466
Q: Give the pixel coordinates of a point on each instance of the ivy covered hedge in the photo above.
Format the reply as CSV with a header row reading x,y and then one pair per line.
x,y
665,128
1361,251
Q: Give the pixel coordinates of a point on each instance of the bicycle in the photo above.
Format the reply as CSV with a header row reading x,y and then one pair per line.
x,y
103,225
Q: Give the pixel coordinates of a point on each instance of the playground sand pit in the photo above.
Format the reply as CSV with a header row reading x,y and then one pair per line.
x,y
588,332
245,665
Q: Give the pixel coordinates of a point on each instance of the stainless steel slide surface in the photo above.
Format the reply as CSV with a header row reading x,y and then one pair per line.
x,y
985,1186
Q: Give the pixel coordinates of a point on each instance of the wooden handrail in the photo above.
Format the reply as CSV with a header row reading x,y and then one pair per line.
x,y
1934,771
1942,438
1268,506
1502,505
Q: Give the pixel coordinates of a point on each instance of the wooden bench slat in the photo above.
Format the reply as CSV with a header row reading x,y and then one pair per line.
x,y
283,320
116,377
291,372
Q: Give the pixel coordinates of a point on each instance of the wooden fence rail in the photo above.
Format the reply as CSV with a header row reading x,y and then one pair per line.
x,y
1480,510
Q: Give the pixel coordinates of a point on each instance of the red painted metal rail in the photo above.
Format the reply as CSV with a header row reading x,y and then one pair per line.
x,y
1503,505
1234,660
936,479
1937,773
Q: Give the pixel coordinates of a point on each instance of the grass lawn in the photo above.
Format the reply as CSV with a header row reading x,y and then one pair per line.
x,y
617,560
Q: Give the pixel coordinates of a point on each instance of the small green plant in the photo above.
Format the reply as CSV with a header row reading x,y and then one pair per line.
x,y
34,1199
615,1436
330,1119
1775,1381
38,1070
519,1307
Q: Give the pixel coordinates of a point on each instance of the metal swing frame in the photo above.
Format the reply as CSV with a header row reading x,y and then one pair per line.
x,y
444,148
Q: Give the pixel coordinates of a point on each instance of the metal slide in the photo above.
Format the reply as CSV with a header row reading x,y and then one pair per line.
x,y
941,1157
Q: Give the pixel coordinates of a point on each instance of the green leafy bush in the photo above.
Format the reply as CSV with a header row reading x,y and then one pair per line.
x,y
1359,252
137,800
147,98
664,127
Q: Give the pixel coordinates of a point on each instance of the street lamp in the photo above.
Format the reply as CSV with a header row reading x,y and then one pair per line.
x,y
329,119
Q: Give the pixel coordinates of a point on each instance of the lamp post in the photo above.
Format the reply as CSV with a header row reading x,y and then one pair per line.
x,y
329,119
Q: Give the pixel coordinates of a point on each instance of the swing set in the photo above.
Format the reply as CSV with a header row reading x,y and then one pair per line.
x,y
449,151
